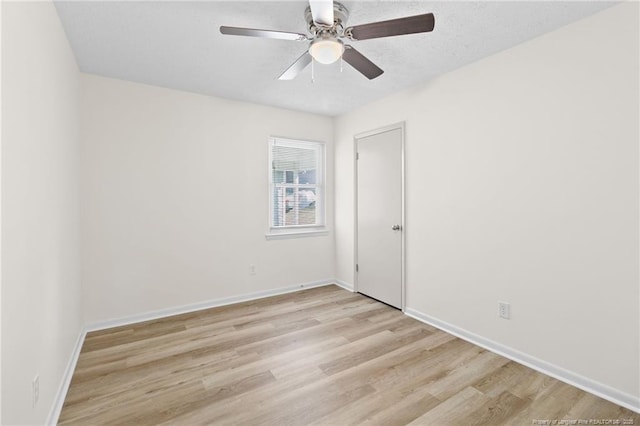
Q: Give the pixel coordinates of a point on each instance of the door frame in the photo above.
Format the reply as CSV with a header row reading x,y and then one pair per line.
x,y
396,126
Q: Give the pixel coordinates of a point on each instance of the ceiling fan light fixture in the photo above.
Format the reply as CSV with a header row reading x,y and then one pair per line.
x,y
326,50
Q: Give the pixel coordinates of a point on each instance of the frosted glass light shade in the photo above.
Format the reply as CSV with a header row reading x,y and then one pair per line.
x,y
326,51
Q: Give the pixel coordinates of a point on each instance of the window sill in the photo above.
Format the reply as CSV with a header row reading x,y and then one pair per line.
x,y
281,234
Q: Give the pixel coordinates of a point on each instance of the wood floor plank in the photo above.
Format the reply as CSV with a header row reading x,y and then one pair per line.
x,y
485,363
556,404
322,356
455,410
232,410
498,410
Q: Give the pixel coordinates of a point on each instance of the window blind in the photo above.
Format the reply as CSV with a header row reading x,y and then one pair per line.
x,y
296,181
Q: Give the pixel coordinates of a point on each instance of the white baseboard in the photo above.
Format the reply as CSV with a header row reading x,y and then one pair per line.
x,y
344,285
599,389
61,394
147,316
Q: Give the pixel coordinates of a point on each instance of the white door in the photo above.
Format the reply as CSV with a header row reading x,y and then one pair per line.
x,y
379,246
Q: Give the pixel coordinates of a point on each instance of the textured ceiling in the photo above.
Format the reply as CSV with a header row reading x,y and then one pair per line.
x,y
178,45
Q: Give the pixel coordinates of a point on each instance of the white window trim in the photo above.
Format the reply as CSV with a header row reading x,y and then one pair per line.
x,y
298,231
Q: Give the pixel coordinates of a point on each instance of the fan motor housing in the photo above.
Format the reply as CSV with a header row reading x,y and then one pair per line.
x,y
340,16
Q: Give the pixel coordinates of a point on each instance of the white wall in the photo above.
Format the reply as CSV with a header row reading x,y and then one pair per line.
x,y
1,3
522,186
40,239
175,197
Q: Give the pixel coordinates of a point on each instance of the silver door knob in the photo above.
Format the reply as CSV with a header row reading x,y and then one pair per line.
x,y
395,227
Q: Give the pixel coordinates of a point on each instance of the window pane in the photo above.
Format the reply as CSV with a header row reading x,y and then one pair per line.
x,y
300,206
307,177
289,199
278,206
289,174
298,164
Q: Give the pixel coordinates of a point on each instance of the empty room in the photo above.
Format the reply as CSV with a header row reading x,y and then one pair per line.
x,y
320,212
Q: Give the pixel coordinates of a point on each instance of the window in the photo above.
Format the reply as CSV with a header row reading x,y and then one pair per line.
x,y
296,193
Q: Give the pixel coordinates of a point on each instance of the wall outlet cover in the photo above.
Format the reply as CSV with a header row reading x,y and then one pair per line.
x,y
504,310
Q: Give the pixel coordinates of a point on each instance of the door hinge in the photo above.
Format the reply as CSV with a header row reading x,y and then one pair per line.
x,y
357,155
357,267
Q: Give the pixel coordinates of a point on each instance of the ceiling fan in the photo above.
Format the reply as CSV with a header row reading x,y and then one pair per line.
x,y
326,25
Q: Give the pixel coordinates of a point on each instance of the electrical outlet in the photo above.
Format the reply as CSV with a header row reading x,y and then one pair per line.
x,y
504,310
252,269
35,390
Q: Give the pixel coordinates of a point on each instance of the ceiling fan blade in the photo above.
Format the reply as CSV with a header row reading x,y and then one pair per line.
x,y
300,64
252,32
322,11
409,25
361,63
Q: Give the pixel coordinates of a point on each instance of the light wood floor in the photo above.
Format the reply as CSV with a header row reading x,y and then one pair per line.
x,y
322,356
